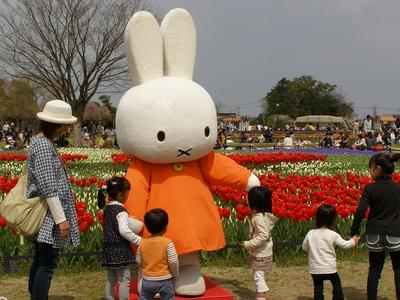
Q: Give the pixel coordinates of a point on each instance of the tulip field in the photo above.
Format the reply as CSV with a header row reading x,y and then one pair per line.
x,y
300,183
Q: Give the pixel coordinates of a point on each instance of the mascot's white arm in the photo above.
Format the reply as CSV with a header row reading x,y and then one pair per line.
x,y
252,182
135,225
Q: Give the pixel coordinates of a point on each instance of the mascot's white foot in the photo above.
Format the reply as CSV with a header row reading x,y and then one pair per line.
x,y
190,282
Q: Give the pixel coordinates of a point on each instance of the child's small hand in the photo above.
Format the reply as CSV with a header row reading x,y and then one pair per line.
x,y
241,244
356,238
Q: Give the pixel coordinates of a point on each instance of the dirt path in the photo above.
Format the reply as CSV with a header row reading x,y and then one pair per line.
x,y
296,283
285,283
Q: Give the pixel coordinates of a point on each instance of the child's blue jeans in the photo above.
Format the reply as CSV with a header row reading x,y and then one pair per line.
x,y
163,287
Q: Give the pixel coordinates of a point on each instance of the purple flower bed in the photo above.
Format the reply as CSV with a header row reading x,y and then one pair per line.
x,y
326,151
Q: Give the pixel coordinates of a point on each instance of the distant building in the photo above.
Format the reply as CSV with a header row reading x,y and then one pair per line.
x,y
387,119
230,117
284,118
232,121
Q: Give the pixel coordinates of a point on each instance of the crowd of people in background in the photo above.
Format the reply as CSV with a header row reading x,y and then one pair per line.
x,y
369,134
372,133
92,136
14,137
107,140
366,134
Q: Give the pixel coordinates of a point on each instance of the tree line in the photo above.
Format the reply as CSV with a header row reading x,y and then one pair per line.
x,y
302,96
20,100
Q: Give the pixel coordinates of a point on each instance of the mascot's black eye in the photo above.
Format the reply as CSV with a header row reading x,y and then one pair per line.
x,y
161,136
207,131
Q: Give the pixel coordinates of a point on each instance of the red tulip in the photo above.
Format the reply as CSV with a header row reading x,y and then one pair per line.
x,y
88,218
83,227
3,222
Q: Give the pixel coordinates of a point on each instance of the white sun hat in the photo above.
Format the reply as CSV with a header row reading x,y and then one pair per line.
x,y
58,112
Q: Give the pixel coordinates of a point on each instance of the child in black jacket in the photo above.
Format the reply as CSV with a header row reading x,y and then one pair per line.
x,y
383,224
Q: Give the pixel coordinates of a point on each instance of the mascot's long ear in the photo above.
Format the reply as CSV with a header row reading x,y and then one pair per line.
x,y
179,36
143,47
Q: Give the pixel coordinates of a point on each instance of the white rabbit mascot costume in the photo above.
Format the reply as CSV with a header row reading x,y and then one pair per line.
x,y
169,124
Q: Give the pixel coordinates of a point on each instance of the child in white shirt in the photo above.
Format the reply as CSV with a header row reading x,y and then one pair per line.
x,y
320,244
260,244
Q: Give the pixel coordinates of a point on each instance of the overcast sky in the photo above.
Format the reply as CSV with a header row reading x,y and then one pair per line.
x,y
245,47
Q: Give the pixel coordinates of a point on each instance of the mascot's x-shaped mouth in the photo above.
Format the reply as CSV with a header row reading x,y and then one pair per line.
x,y
186,152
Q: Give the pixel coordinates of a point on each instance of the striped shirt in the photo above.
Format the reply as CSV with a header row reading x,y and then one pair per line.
x,y
48,178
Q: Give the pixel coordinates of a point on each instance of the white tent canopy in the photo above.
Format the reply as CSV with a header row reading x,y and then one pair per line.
x,y
322,119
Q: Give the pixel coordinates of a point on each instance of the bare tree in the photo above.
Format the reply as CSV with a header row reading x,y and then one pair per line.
x,y
72,48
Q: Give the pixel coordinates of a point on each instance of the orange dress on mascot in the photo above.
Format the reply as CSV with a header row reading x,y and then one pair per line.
x,y
181,189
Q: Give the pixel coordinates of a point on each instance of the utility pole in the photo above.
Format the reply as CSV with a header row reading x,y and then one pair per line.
x,y
263,113
277,114
237,108
263,108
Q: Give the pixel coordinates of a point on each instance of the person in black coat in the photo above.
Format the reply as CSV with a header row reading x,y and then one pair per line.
x,y
382,197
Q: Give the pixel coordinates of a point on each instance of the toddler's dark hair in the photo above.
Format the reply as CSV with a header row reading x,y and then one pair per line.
x,y
114,186
156,220
260,199
385,161
326,216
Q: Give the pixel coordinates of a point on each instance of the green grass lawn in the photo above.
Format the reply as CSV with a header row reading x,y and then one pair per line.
x,y
291,282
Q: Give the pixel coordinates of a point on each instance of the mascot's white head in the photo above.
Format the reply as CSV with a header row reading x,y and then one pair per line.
x,y
166,117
